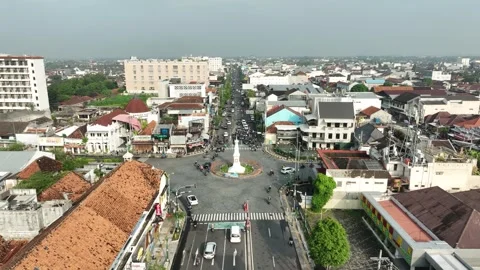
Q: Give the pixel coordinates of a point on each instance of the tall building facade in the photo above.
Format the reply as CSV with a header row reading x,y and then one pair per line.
x,y
215,64
23,84
145,75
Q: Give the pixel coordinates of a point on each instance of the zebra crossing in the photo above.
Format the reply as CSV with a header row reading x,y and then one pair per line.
x,y
241,147
237,216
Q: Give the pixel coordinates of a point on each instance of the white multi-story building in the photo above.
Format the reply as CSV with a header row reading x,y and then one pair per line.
x,y
145,76
106,135
23,84
261,78
181,90
332,122
465,62
438,75
215,64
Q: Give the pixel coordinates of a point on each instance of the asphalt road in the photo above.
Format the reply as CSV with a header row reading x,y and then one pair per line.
x,y
265,247
221,200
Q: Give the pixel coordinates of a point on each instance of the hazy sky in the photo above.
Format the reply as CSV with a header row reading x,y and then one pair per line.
x,y
170,28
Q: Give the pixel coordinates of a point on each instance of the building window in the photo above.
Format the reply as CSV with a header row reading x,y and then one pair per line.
x,y
345,136
34,78
345,125
423,185
439,173
134,77
337,125
36,98
395,167
378,183
35,91
35,85
38,105
329,124
416,185
330,135
339,183
366,183
351,182
337,136
31,64
33,71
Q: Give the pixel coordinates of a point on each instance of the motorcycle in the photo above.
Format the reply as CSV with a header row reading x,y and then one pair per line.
x,y
269,189
269,200
302,166
270,173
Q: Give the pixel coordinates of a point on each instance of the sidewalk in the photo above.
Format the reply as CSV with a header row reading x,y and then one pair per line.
x,y
272,153
165,247
297,233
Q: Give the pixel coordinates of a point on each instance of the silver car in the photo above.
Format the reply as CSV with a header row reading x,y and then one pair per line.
x,y
209,252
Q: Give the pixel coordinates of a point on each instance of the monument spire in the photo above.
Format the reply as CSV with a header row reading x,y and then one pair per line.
x,y
236,167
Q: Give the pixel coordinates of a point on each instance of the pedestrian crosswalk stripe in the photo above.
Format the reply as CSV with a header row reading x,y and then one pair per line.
x,y
237,216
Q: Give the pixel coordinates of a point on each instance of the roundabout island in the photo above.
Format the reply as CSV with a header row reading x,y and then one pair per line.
x,y
237,169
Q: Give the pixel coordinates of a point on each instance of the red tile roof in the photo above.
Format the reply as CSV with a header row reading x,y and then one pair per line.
x,y
189,99
377,89
79,133
106,119
76,100
471,123
273,127
148,130
369,111
43,164
94,231
73,185
136,105
185,106
277,108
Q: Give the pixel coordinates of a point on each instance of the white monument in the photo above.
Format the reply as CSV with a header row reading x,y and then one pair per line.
x,y
236,167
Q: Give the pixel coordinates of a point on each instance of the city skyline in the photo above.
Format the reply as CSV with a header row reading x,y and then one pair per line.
x,y
88,29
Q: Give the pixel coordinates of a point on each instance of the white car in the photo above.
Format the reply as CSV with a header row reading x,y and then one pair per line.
x,y
287,170
225,134
233,110
192,200
209,252
229,123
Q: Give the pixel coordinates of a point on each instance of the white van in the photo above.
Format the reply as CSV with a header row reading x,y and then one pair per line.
x,y
235,234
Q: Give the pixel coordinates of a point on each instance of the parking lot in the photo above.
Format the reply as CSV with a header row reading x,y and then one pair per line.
x,y
264,247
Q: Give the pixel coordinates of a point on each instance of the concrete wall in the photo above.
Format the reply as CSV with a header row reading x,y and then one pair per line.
x,y
20,224
344,200
53,210
441,174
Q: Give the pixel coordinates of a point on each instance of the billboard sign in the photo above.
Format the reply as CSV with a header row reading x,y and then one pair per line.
x,y
50,141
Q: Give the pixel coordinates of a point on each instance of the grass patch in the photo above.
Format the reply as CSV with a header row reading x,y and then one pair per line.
x,y
40,181
248,168
224,168
118,100
106,160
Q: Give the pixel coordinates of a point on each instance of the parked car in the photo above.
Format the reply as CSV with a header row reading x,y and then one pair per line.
x,y
209,252
229,123
225,134
287,170
192,200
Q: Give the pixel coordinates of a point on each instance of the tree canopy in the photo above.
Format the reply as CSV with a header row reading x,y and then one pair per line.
x,y
328,244
323,191
387,83
359,88
88,85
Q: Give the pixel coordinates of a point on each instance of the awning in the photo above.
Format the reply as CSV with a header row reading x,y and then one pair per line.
x,y
206,136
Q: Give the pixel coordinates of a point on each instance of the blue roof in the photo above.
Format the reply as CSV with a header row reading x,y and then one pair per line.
x,y
376,81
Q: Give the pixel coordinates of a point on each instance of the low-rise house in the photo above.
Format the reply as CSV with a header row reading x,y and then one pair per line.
x,y
42,164
354,172
336,77
86,115
137,108
427,228
24,216
300,106
283,113
374,82
107,135
458,104
144,142
379,89
111,233
368,135
375,115
13,162
75,103
281,132
330,124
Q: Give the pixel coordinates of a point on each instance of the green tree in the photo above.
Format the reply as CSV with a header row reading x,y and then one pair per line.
x,y
328,244
323,191
428,82
359,88
14,147
387,83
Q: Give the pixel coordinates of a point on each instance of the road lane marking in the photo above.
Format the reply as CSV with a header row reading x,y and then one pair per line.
x,y
269,233
245,249
191,249
224,247
273,260
213,261
183,257
206,237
